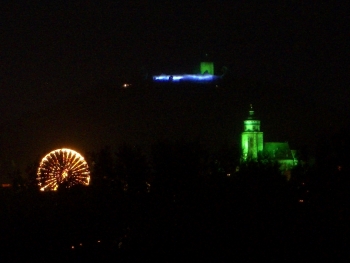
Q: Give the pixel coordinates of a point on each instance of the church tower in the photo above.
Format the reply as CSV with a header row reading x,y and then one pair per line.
x,y
252,137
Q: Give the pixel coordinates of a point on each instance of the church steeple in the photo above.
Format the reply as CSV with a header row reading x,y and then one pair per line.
x,y
251,123
251,112
252,137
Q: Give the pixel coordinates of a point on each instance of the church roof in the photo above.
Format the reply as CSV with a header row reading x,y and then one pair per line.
x,y
278,150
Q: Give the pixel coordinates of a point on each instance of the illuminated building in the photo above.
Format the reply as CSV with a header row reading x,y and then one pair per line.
x,y
281,152
206,75
253,145
252,137
207,68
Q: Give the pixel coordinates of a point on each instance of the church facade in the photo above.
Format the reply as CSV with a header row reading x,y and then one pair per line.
x,y
254,147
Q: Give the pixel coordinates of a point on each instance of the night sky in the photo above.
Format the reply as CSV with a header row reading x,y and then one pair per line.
x,y
62,65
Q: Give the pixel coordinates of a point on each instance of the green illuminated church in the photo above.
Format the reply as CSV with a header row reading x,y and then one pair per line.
x,y
254,147
252,137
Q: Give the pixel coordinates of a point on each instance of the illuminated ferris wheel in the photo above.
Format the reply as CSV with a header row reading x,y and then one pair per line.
x,y
62,166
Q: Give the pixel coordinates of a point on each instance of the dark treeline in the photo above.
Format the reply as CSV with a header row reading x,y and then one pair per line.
x,y
181,199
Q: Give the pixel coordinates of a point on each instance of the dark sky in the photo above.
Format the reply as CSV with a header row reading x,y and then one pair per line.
x,y
54,50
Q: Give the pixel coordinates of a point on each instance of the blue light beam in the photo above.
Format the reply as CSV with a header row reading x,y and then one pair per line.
x,y
186,78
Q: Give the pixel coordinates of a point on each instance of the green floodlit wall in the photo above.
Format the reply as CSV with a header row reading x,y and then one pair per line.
x,y
252,137
278,150
252,125
286,164
207,67
252,144
281,152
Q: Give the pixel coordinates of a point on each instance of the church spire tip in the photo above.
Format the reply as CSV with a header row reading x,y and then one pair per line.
x,y
251,112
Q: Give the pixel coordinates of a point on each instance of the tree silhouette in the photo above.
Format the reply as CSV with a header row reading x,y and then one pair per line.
x,y
17,180
179,168
102,166
132,168
31,174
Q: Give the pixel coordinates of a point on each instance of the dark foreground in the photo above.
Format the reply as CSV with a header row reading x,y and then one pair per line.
x,y
220,223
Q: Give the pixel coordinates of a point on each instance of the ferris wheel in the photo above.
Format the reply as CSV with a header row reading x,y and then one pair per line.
x,y
62,166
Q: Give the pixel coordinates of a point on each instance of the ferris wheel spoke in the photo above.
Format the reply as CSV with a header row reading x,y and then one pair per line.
x,y
62,165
